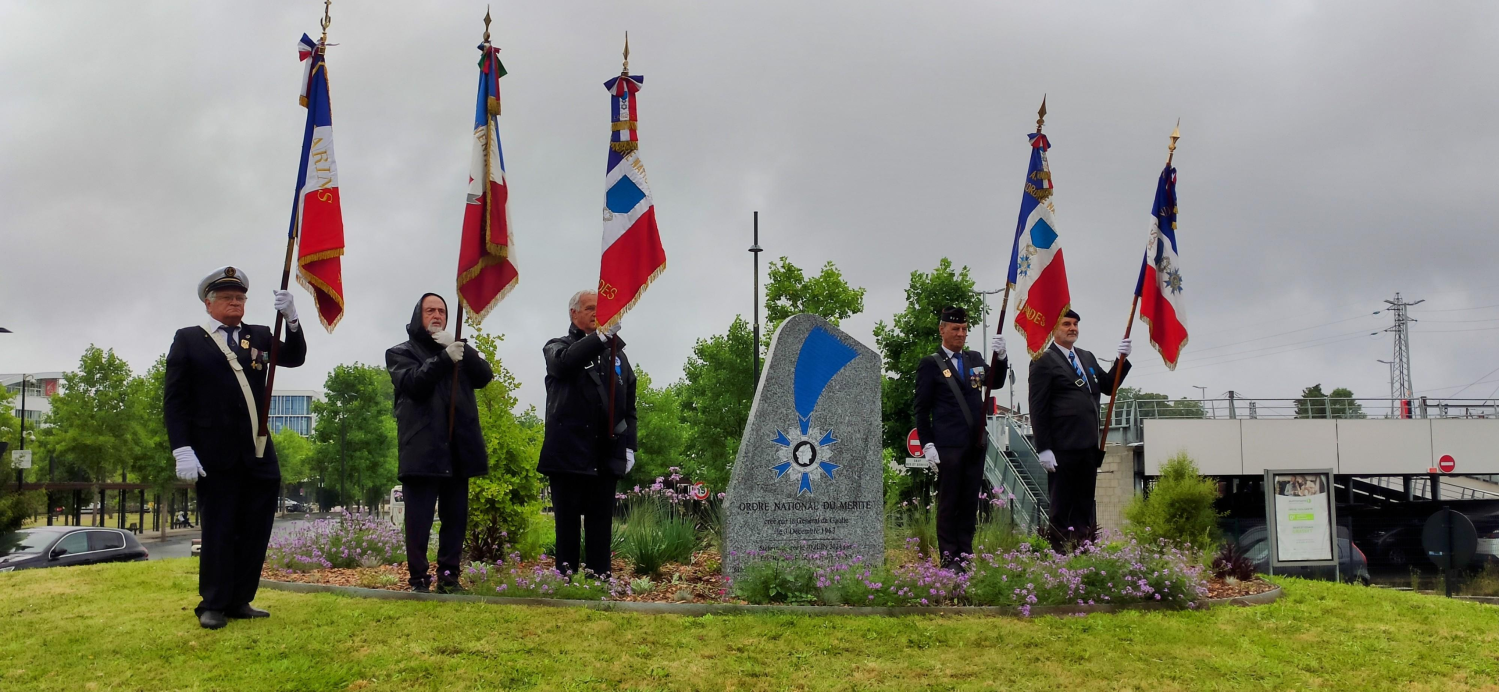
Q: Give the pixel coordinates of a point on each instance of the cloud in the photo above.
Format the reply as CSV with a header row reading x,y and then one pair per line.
x,y
1332,154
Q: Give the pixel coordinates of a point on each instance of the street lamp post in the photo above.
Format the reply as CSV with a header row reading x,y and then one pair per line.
x,y
755,250
1202,398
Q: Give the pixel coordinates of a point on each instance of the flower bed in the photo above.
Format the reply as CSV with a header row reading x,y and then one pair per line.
x,y
353,539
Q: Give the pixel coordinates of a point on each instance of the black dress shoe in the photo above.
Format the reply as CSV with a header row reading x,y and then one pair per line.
x,y
212,620
245,612
421,587
448,588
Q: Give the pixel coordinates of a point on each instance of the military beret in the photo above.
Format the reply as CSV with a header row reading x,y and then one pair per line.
x,y
221,278
955,315
1072,314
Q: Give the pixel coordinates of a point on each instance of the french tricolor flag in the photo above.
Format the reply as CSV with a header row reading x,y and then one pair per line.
x,y
632,255
1038,275
486,263
1160,284
317,216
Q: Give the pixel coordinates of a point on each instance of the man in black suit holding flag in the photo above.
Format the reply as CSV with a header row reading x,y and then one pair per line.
x,y
214,388
951,421
1065,387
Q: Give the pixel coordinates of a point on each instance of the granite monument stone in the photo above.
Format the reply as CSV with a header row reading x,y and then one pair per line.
x,y
809,476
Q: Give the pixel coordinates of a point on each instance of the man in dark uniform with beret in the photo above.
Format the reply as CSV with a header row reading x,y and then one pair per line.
x,y
214,387
1065,385
951,422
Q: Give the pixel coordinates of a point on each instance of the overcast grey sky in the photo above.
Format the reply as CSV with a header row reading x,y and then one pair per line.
x,y
1331,155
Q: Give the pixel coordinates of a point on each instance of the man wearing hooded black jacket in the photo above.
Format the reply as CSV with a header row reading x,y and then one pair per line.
x,y
581,455
434,467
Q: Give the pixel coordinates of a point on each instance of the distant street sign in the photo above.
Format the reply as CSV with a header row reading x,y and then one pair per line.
x,y
21,458
918,463
699,491
1446,463
913,444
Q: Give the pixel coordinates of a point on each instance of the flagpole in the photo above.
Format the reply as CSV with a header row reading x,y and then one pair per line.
x,y
1004,307
490,108
624,73
291,249
1108,418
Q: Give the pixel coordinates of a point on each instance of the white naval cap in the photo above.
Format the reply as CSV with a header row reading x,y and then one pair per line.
x,y
223,277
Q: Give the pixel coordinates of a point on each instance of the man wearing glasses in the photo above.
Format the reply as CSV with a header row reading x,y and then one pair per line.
x,y
214,388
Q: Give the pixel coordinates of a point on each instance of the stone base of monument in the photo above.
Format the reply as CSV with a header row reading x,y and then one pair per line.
x,y
699,609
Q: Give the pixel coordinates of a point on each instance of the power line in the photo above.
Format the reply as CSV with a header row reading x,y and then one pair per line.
x,y
1293,331
1481,307
1262,355
1293,343
1454,331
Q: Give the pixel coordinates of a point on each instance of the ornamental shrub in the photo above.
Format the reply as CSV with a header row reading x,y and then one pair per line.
x,y
509,577
1178,509
655,534
503,504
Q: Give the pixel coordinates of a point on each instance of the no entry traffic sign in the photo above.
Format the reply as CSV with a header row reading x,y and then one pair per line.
x,y
1446,463
913,443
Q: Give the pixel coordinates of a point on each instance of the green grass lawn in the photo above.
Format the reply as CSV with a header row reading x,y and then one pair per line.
x,y
130,627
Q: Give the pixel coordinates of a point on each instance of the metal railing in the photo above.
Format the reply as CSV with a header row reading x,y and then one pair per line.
x,y
1011,464
1449,488
1129,414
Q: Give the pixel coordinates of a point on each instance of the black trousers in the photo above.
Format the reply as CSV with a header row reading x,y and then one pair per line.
x,y
590,499
450,498
236,511
960,471
1072,486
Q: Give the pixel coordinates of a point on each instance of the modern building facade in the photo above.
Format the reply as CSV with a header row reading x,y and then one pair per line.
x,y
292,408
40,388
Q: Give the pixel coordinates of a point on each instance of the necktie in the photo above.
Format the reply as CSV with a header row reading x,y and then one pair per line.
x,y
1072,358
958,360
229,336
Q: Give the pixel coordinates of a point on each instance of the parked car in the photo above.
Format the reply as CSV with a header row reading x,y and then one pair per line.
x,y
1398,543
290,505
197,548
66,546
1353,566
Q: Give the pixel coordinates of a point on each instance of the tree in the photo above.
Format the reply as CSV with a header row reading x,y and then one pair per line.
x,y
152,461
912,335
356,433
789,292
717,387
14,507
94,426
1337,404
660,431
1153,405
503,503
294,453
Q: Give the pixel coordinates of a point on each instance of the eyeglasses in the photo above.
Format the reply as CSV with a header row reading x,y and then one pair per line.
x,y
230,297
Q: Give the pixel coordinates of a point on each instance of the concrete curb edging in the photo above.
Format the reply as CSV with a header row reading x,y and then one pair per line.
x,y
700,609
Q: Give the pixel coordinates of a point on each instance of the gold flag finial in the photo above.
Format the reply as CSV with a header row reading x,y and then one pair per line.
x,y
327,19
486,23
626,68
1176,134
1041,115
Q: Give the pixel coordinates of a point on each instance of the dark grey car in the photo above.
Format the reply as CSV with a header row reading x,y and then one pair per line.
x,y
1353,567
66,546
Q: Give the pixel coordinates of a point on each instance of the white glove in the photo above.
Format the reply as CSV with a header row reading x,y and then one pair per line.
x,y
604,334
930,452
1048,460
188,468
629,459
1124,347
455,351
997,345
284,305
443,339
